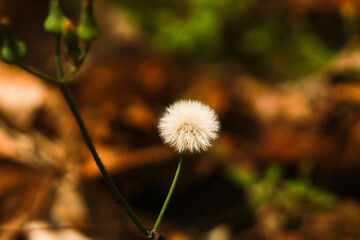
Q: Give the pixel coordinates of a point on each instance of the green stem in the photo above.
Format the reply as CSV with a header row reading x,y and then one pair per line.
x,y
37,73
58,57
119,198
169,194
76,68
69,74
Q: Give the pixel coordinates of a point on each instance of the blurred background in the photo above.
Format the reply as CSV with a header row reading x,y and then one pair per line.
x,y
283,76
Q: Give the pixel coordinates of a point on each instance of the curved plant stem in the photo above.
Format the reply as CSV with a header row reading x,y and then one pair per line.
x,y
169,194
76,68
37,73
108,179
58,57
117,195
70,74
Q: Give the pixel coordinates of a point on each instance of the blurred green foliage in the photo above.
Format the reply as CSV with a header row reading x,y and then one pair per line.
x,y
291,195
267,38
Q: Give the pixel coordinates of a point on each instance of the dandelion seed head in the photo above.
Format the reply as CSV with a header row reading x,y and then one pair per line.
x,y
189,125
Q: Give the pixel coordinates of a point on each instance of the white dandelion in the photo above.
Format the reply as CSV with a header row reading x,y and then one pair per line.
x,y
189,125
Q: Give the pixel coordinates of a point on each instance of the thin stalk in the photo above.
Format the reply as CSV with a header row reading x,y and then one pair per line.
x,y
37,73
58,57
76,68
69,74
119,198
169,194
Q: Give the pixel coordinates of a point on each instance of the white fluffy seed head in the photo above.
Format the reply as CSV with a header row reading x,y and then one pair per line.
x,y
189,125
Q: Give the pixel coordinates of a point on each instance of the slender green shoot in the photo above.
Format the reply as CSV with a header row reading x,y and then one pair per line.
x,y
169,194
117,195
64,90
58,57
38,73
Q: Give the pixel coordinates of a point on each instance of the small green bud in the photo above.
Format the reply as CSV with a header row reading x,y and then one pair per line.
x,y
71,41
56,18
12,50
88,29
